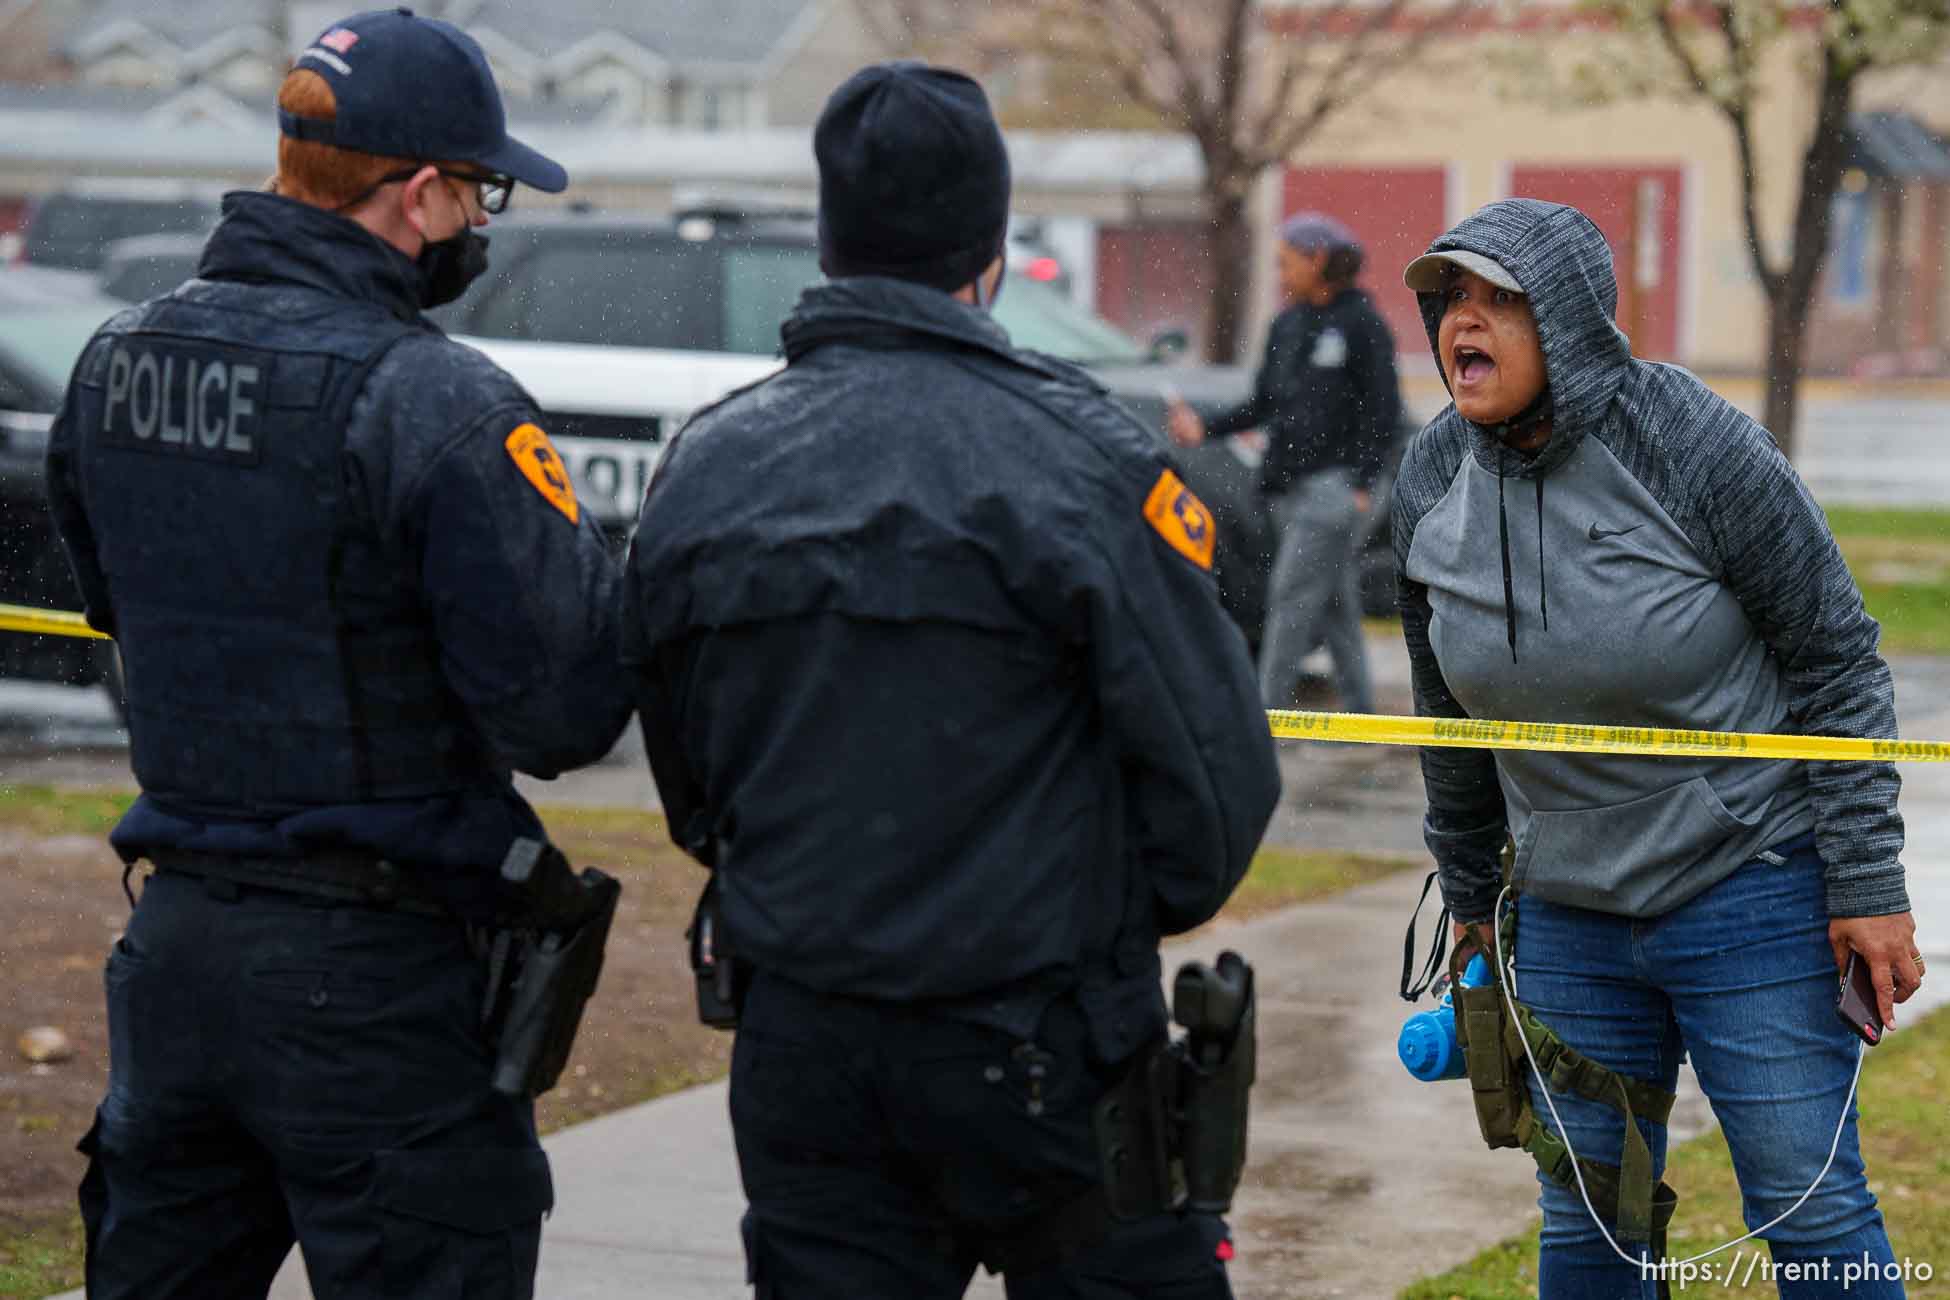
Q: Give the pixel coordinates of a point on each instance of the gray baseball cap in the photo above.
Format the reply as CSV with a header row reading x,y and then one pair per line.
x,y
1430,272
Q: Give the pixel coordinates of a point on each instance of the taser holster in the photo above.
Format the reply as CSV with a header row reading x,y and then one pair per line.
x,y
721,977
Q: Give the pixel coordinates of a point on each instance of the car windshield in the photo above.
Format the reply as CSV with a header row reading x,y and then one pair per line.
x,y
1041,318
48,340
142,277
762,284
74,231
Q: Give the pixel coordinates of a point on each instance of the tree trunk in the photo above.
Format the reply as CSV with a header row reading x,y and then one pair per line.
x,y
1785,331
1229,248
1792,294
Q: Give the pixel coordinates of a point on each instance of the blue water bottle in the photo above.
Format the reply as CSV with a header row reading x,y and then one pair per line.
x,y
1428,1044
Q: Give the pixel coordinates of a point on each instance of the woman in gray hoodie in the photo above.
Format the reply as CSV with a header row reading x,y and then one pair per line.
x,y
1584,537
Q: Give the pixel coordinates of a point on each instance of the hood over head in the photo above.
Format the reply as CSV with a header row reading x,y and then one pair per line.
x,y
1560,260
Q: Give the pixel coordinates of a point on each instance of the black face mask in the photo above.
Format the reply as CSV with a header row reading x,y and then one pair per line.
x,y
449,266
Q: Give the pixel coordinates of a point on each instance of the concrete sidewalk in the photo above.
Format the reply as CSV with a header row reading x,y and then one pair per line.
x,y
1362,1179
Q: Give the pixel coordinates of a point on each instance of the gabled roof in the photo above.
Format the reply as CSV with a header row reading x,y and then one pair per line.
x,y
653,37
676,31
55,99
204,104
117,109
185,28
253,42
1897,146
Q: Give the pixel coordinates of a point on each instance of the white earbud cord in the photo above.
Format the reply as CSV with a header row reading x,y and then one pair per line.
x,y
1641,1263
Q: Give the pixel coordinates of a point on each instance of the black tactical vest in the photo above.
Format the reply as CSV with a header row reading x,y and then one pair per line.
x,y
276,656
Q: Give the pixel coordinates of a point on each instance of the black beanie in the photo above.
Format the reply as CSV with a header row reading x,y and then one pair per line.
x,y
913,176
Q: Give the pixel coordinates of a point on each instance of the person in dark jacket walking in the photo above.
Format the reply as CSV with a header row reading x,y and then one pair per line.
x,y
353,591
1584,537
1328,398
934,675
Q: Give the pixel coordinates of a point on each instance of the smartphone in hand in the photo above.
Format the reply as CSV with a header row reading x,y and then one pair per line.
x,y
1856,1002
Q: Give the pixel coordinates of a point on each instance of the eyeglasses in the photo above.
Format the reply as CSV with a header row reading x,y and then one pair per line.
x,y
492,190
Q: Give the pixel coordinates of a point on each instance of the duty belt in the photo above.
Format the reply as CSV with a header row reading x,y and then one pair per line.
x,y
343,877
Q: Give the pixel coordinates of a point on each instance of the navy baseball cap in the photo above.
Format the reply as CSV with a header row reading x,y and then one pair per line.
x,y
412,87
1316,232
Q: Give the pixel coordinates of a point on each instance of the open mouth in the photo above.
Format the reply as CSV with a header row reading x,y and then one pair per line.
x,y
1473,365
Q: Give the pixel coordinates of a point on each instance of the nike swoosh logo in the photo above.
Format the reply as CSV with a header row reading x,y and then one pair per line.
x,y
1598,534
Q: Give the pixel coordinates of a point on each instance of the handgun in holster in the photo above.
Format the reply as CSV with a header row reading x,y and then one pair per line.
x,y
1219,1057
543,963
1172,1134
721,977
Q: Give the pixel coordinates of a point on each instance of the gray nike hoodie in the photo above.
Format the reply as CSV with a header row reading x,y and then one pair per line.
x,y
1657,563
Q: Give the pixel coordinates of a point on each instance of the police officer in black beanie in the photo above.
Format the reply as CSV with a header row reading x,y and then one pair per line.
x,y
935,680
913,180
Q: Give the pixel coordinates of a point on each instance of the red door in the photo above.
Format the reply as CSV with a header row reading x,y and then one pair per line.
x,y
1395,211
1637,208
1152,278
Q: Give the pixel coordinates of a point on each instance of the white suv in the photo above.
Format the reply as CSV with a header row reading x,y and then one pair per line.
x,y
621,325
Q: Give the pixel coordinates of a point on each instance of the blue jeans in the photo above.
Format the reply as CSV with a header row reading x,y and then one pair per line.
x,y
1742,978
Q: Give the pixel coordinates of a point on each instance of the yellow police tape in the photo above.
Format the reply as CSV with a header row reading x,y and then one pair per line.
x,y
51,622
1572,738
1448,733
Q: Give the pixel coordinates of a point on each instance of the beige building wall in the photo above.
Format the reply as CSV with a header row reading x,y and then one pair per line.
x,y
833,45
1469,111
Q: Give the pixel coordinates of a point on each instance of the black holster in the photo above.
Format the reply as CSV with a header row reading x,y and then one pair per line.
x,y
1219,1057
1172,1134
721,977
543,963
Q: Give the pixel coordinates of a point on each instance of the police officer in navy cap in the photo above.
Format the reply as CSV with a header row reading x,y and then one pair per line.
x,y
935,679
353,592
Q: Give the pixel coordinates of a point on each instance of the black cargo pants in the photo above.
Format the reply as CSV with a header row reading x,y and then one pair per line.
x,y
882,1146
280,1069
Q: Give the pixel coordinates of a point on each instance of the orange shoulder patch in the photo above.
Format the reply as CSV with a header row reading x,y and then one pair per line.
x,y
535,456
1181,519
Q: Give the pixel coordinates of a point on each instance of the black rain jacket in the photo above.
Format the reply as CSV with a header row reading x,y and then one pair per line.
x,y
933,670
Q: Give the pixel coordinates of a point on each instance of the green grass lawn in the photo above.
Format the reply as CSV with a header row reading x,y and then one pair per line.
x,y
1901,560
41,1254
39,1257
1905,1132
43,810
1281,877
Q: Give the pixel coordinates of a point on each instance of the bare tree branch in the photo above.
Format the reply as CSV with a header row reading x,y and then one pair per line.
x,y
1285,130
1732,105
1230,70
1247,93
1849,40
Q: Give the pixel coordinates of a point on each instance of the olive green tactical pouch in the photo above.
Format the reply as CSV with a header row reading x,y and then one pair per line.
x,y
1497,1090
1494,1049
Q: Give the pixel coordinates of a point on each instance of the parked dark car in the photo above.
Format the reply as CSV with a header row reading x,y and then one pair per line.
x,y
717,280
143,266
73,226
41,334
